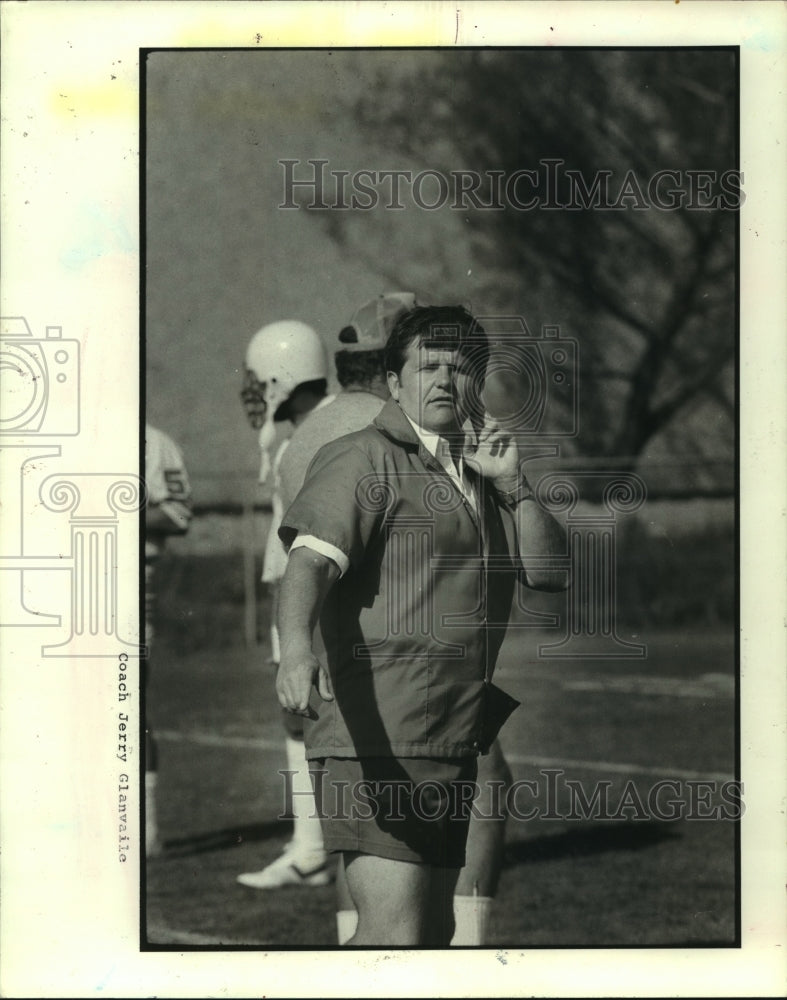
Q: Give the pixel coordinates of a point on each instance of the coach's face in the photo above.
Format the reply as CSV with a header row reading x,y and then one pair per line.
x,y
430,388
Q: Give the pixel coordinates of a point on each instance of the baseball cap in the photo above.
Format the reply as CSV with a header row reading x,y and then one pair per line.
x,y
371,324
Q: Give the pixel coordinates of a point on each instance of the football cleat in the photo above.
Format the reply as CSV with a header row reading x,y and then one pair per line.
x,y
286,871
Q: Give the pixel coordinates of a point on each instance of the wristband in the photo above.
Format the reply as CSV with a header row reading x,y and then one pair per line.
x,y
511,498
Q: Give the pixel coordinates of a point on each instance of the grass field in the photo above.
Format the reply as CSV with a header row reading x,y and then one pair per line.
x,y
632,879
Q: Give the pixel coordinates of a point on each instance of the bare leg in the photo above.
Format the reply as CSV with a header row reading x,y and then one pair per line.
x,y
477,885
346,916
344,900
486,837
394,900
440,921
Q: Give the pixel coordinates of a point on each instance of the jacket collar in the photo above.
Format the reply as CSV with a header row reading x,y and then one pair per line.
x,y
392,422
395,425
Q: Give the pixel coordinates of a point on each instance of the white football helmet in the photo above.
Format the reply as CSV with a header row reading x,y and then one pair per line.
x,y
282,356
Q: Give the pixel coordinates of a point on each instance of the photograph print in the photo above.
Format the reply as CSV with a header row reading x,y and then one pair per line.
x,y
441,451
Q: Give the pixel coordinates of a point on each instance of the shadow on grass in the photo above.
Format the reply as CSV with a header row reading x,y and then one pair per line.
x,y
230,836
588,840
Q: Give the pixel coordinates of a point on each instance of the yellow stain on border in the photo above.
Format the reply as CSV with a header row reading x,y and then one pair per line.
x,y
114,99
323,27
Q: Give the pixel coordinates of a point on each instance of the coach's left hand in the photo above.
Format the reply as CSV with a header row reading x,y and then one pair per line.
x,y
496,455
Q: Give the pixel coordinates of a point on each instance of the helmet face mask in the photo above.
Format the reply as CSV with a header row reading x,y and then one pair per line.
x,y
253,396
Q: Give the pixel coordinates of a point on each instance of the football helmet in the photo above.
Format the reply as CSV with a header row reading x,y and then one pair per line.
x,y
280,357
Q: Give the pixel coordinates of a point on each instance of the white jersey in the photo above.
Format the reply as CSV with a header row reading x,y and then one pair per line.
x,y
167,485
274,561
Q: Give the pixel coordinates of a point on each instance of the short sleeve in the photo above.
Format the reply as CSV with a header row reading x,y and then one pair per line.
x,y
324,549
338,502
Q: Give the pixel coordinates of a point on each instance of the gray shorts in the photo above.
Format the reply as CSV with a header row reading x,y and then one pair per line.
x,y
406,809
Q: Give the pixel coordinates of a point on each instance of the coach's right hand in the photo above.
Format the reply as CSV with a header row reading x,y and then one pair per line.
x,y
296,676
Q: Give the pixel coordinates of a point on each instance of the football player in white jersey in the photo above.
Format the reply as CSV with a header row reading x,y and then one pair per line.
x,y
167,512
286,372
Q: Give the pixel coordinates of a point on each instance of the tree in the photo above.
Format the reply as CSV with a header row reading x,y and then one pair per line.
x,y
644,278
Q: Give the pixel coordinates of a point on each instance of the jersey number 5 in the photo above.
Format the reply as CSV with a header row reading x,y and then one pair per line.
x,y
176,483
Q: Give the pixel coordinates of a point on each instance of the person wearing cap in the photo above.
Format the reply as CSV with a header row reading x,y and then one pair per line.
x,y
361,375
407,549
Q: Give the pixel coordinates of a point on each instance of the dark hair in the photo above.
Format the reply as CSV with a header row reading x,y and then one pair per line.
x,y
450,328
316,387
359,367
